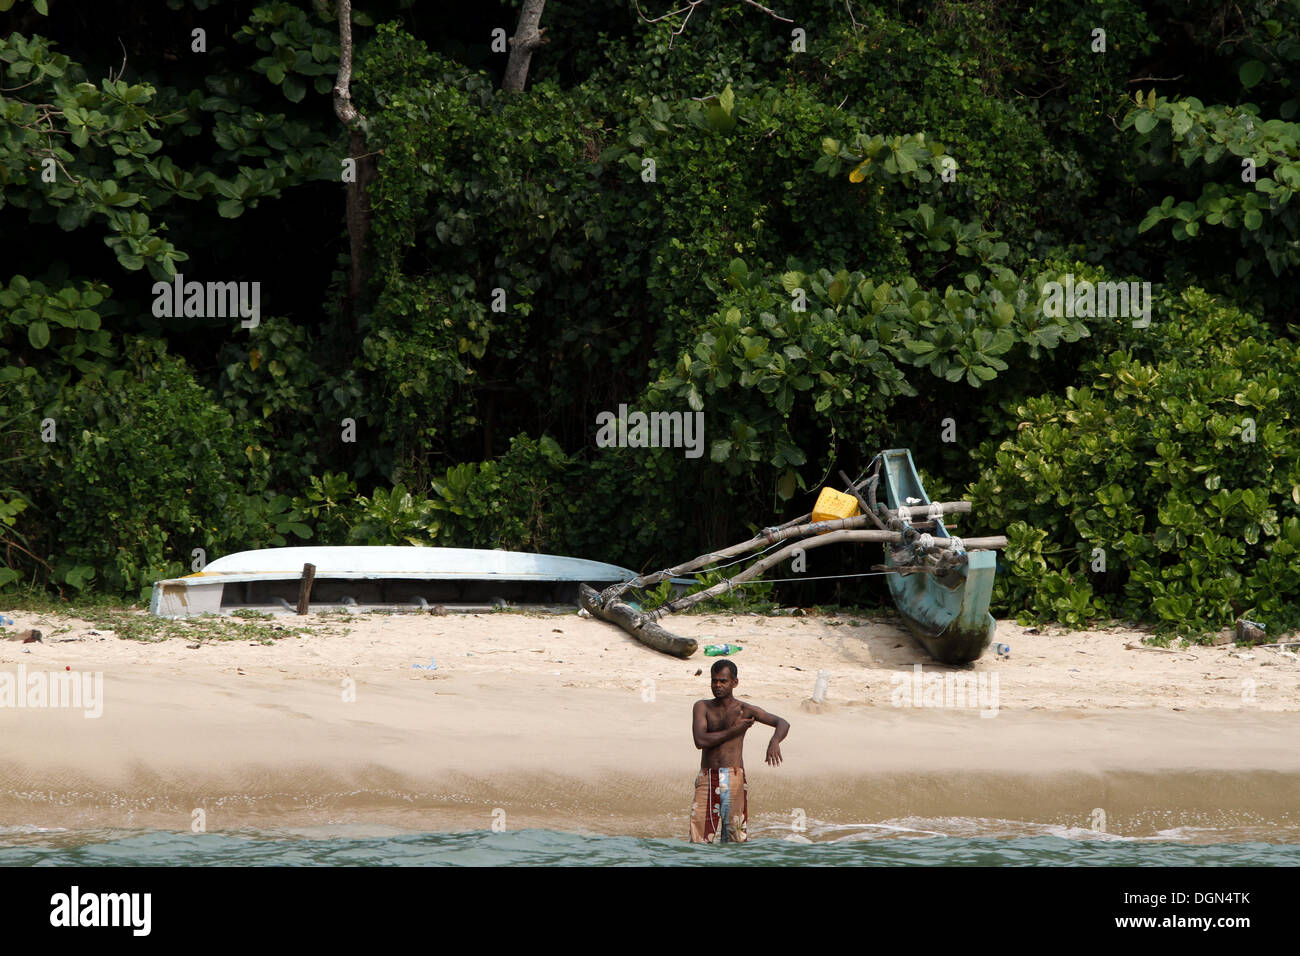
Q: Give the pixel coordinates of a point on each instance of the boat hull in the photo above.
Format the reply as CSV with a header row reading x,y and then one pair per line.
x,y
381,575
948,613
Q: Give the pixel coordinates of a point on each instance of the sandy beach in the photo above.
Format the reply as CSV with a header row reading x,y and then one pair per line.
x,y
537,720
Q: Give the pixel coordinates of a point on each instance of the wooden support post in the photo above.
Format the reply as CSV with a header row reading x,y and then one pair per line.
x,y
304,587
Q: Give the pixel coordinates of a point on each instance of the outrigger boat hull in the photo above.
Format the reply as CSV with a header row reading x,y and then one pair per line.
x,y
947,612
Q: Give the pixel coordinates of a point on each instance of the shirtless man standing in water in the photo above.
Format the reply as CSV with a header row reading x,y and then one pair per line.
x,y
720,812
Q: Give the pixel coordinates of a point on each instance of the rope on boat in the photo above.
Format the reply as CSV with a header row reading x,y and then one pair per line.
x,y
731,586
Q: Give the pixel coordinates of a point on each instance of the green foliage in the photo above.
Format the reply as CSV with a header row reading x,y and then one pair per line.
x,y
271,377
822,353
19,441
12,504
394,517
299,52
67,145
551,199
651,598
1253,170
56,328
1022,92
1179,461
146,468
290,146
1031,590
118,159
748,597
40,6
631,230
330,505
504,503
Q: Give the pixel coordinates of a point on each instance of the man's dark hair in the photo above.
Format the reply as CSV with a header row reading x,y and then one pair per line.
x,y
719,665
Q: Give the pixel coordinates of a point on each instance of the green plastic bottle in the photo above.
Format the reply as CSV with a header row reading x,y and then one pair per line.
x,y
718,650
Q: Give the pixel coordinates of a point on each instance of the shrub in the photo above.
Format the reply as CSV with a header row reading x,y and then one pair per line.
x,y
146,468
1178,467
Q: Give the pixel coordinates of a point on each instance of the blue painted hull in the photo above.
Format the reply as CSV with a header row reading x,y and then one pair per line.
x,y
947,613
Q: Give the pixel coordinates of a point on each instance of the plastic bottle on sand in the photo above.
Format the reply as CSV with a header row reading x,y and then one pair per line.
x,y
719,650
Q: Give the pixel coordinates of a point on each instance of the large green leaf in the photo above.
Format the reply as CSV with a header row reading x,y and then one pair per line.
x,y
1251,72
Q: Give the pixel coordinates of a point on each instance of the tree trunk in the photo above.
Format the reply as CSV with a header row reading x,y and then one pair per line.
x,y
358,215
527,38
358,200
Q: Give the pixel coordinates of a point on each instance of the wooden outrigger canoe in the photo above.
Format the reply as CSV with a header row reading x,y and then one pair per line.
x,y
941,584
945,603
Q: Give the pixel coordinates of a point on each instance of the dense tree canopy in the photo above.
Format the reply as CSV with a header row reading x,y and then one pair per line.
x,y
827,227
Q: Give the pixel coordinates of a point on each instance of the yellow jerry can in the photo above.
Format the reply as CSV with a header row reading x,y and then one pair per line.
x,y
833,504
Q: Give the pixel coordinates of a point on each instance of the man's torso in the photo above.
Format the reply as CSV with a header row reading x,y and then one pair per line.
x,y
729,753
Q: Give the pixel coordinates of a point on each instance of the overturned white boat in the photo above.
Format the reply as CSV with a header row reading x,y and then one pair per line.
x,y
274,578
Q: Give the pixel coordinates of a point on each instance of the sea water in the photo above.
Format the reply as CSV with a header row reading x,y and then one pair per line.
x,y
885,844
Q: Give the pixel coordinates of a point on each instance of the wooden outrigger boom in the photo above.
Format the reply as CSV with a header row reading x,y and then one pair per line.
x,y
946,608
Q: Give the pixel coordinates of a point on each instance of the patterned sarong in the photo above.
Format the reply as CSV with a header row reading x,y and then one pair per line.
x,y
720,813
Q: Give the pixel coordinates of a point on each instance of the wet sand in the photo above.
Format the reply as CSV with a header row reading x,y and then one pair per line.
x,y
566,723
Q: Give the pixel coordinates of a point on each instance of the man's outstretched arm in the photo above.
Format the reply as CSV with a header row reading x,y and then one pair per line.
x,y
782,728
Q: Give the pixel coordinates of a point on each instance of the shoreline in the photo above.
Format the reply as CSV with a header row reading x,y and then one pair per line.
x,y
568,724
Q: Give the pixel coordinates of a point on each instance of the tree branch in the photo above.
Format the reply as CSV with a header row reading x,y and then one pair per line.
x,y
343,108
672,13
692,4
770,12
528,37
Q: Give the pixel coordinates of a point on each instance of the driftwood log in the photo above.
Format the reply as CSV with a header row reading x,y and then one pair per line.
x,y
625,616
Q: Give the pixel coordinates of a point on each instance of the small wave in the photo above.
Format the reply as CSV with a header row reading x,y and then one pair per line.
x,y
23,829
559,848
